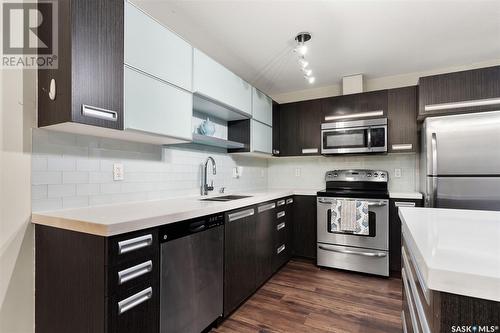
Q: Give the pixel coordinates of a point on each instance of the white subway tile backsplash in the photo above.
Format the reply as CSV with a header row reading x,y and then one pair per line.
x,y
38,192
59,191
61,164
40,205
46,177
151,172
75,177
38,163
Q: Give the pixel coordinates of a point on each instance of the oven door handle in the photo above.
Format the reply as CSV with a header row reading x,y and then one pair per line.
x,y
370,203
365,254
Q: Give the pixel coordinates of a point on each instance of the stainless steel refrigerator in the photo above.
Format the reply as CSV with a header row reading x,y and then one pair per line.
x,y
460,161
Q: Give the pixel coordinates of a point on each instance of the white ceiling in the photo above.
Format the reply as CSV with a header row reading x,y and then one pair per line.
x,y
377,38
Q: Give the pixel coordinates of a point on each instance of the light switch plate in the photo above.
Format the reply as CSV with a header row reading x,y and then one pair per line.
x,y
118,173
397,173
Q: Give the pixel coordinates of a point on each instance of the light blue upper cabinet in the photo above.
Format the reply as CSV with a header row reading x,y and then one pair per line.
x,y
152,48
261,138
214,81
262,107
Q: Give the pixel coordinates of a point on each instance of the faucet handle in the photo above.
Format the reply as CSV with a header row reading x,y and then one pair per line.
x,y
222,189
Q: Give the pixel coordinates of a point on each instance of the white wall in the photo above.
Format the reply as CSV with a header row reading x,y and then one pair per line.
x,y
282,171
17,116
76,170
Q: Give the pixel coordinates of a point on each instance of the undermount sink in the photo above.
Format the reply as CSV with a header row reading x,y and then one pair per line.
x,y
226,198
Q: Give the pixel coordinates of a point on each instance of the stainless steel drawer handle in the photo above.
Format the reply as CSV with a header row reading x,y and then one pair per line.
x,y
289,201
280,249
402,146
133,244
280,226
240,215
281,203
462,104
404,204
309,150
95,112
420,279
134,272
134,300
263,208
409,299
280,214
365,254
377,203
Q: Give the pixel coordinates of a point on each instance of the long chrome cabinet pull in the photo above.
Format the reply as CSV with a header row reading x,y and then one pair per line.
x,y
280,226
280,214
240,215
413,316
134,272
133,244
280,249
425,290
281,203
263,208
134,300
289,201
370,203
365,254
462,104
95,112
404,204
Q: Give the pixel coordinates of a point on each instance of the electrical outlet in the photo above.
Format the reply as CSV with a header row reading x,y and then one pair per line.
x,y
118,173
297,172
397,173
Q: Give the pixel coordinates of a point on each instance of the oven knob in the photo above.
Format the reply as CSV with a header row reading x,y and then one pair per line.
x,y
335,175
382,175
375,175
368,175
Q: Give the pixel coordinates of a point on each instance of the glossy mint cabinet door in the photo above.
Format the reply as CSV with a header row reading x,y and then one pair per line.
x,y
262,107
152,48
261,137
156,107
214,81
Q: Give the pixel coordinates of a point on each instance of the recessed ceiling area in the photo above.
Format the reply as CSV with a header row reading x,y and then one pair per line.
x,y
255,39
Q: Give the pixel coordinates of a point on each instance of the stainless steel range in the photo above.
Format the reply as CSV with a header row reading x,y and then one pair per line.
x,y
365,250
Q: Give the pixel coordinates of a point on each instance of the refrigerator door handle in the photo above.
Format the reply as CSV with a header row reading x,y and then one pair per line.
x,y
434,171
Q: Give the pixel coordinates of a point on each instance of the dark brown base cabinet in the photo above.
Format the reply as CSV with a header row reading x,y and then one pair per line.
x,y
76,284
304,227
425,310
395,232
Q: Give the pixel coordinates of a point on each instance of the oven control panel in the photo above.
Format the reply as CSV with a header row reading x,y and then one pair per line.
x,y
357,175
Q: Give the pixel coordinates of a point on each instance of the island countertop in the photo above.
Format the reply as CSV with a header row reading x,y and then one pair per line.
x,y
110,220
457,251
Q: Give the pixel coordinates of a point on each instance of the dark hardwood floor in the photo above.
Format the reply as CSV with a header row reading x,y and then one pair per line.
x,y
304,298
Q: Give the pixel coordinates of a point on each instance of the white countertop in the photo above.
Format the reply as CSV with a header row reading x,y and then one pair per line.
x,y
457,251
405,195
109,220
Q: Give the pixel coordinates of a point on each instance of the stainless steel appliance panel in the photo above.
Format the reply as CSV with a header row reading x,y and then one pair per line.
x,y
467,144
353,258
191,281
380,207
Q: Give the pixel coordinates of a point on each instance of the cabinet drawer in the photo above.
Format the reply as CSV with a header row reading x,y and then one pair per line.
x,y
133,246
152,48
156,107
135,311
281,234
127,275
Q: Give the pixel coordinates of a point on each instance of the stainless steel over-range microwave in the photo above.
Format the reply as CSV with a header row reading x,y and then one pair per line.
x,y
354,137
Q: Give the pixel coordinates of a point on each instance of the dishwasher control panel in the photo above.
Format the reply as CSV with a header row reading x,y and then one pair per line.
x,y
181,229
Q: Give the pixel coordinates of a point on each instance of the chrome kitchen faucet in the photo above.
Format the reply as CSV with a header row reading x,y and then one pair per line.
x,y
204,186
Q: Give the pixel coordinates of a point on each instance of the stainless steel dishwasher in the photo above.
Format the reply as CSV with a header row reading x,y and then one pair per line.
x,y
191,286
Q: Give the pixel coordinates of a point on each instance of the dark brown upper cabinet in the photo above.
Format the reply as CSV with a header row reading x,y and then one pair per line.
x,y
354,104
459,92
276,129
89,78
298,128
402,120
